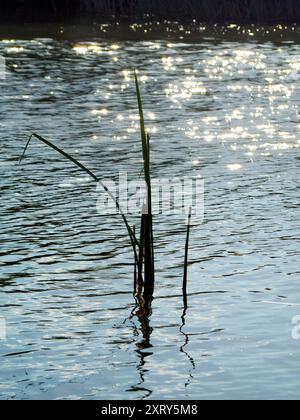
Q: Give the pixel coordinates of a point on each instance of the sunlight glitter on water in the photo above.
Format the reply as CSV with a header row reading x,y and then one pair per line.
x,y
215,107
234,167
85,49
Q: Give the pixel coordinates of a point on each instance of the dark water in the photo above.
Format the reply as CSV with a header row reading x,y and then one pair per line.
x,y
225,109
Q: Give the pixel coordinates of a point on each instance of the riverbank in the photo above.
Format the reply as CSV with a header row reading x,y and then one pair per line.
x,y
213,11
196,32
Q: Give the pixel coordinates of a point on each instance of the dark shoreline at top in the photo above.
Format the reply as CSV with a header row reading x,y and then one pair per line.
x,y
267,12
169,31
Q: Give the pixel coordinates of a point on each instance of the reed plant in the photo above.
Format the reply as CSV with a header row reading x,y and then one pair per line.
x,y
144,248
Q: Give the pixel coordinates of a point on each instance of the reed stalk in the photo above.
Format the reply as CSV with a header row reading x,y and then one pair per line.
x,y
146,240
186,259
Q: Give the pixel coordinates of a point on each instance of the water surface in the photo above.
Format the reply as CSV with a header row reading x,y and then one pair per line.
x,y
215,106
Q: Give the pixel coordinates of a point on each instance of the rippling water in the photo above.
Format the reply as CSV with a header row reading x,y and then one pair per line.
x,y
224,109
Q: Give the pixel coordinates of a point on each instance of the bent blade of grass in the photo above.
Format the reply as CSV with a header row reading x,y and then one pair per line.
x,y
62,152
131,234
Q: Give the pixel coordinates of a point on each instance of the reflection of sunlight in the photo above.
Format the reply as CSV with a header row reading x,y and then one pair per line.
x,y
185,90
168,63
241,54
237,126
85,49
209,120
252,148
294,63
100,111
151,116
15,49
152,130
234,167
133,129
127,75
208,137
134,117
234,63
95,48
235,115
280,146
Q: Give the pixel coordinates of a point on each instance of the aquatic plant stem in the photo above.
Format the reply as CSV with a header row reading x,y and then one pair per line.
x,y
186,259
147,219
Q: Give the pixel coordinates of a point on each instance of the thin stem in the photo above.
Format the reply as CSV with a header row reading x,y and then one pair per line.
x,y
186,259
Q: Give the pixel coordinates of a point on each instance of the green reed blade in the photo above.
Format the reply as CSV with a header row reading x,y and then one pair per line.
x,y
145,143
147,221
131,234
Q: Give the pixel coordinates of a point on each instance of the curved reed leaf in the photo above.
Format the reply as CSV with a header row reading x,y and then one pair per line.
x,y
131,234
